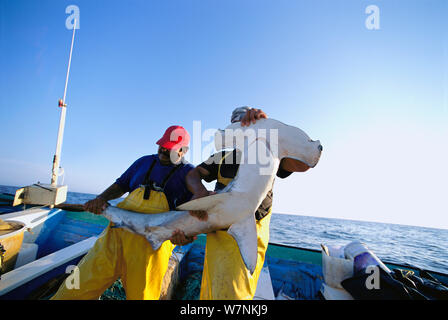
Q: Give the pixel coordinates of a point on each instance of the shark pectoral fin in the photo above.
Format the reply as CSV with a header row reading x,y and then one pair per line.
x,y
245,234
116,225
152,237
155,244
205,203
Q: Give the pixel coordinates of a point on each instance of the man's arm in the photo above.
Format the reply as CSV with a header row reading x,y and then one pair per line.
x,y
194,184
98,204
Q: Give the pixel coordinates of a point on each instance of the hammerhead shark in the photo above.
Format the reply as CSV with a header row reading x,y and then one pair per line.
x,y
232,208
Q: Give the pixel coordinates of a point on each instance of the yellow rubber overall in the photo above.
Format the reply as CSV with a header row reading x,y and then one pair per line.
x,y
225,276
119,253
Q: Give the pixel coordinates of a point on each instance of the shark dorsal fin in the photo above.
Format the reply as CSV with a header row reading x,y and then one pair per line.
x,y
205,203
245,234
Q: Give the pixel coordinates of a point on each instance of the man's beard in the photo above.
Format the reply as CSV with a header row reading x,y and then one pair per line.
x,y
168,159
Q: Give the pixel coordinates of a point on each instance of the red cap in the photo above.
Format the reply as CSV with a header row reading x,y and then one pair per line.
x,y
175,137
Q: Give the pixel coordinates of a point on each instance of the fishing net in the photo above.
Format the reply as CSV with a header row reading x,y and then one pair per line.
x,y
114,292
190,288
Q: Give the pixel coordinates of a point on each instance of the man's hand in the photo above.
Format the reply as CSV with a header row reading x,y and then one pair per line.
x,y
252,115
96,206
180,239
200,214
99,204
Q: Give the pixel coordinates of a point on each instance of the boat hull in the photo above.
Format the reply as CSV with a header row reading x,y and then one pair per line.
x,y
11,243
292,272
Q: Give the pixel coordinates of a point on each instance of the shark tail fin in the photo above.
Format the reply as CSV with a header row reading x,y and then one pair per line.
x,y
205,203
245,234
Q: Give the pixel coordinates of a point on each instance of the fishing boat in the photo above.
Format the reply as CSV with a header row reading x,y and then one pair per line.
x,y
47,245
53,239
56,240
289,273
41,241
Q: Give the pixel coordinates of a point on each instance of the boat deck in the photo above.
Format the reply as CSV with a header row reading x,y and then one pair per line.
x,y
63,237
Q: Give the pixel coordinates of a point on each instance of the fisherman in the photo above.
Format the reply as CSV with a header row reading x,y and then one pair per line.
x,y
225,276
156,183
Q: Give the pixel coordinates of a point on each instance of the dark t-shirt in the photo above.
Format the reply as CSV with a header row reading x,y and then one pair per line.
x,y
229,169
175,189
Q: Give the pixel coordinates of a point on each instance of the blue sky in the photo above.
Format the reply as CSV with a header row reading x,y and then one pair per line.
x,y
376,99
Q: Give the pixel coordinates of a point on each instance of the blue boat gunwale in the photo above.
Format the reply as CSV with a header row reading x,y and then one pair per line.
x,y
315,252
38,282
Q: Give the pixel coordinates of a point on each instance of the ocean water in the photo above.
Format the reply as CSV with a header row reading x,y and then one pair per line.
x,y
425,248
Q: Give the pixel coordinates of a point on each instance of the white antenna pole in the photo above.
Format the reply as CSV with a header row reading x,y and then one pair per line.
x,y
57,156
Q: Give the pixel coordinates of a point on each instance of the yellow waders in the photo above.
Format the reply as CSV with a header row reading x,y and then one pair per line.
x,y
119,253
225,276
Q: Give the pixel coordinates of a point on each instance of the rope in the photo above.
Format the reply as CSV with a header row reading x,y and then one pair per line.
x,y
2,255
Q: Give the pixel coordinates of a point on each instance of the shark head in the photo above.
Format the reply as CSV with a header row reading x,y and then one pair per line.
x,y
278,141
284,141
294,143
